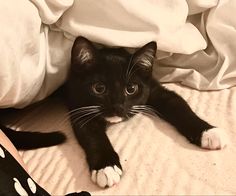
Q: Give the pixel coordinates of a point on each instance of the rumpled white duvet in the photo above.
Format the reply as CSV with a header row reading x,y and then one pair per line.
x,y
196,41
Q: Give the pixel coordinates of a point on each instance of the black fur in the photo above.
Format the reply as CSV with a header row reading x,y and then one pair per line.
x,y
115,70
24,140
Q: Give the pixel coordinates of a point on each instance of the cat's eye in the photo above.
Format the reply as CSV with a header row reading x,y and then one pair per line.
x,y
131,89
98,88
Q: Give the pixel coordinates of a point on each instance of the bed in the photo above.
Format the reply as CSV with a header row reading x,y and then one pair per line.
x,y
155,158
195,53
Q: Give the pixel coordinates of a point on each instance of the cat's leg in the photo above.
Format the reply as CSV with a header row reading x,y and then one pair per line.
x,y
175,110
103,161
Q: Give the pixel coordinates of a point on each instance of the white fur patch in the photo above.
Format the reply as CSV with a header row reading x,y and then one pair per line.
x,y
114,119
107,177
214,139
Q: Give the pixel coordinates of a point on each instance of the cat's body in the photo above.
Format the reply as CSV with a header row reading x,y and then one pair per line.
x,y
110,85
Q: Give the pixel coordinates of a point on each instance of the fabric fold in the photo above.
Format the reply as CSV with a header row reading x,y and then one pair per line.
x,y
195,40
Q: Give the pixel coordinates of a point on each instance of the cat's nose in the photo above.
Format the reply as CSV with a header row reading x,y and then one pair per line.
x,y
119,109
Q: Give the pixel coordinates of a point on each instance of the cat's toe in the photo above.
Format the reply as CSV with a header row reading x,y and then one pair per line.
x,y
213,139
107,177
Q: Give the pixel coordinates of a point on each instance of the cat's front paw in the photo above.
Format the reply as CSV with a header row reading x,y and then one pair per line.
x,y
213,139
107,177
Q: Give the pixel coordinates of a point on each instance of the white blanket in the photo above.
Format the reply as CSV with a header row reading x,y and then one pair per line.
x,y
155,158
195,38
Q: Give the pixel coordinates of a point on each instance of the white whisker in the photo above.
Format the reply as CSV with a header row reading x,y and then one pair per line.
x,y
128,68
130,73
84,108
89,119
145,109
76,119
77,113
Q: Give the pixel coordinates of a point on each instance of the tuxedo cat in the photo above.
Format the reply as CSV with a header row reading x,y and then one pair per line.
x,y
110,85
24,140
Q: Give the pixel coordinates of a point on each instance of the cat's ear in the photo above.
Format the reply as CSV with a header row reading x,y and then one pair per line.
x,y
144,57
83,52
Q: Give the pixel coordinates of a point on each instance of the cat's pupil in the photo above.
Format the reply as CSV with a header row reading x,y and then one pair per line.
x,y
98,88
131,89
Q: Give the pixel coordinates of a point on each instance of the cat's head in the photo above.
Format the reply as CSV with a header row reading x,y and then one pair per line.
x,y
110,80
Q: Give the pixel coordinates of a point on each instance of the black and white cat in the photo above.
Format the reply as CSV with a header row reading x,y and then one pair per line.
x,y
110,85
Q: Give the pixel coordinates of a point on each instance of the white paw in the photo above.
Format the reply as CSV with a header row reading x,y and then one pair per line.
x,y
214,139
107,176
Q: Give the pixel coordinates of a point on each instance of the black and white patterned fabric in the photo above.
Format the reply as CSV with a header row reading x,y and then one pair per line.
x,y
14,180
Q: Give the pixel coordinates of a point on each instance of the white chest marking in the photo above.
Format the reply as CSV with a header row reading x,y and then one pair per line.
x,y
114,119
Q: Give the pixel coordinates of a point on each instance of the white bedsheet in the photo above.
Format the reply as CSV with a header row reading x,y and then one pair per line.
x,y
156,159
195,38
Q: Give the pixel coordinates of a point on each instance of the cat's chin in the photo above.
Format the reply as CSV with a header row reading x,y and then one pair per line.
x,y
114,119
